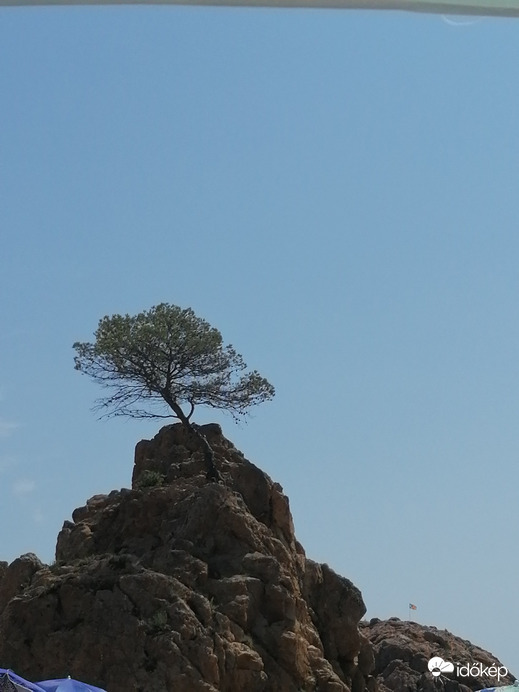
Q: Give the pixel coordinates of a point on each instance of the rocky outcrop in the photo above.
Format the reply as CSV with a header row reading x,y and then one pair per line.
x,y
186,585
402,651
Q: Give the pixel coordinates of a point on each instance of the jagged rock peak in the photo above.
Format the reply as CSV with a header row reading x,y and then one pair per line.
x,y
186,585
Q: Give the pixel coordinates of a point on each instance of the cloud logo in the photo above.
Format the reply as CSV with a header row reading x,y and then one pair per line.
x,y
437,666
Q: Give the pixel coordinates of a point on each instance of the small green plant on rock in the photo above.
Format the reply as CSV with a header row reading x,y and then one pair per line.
x,y
150,479
159,621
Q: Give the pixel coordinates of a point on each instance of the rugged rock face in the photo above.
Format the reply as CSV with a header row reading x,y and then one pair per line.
x,y
183,585
186,585
403,649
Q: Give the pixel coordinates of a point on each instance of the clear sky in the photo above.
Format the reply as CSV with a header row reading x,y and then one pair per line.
x,y
337,192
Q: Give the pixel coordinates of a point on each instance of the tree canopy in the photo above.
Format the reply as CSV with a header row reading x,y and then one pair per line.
x,y
167,358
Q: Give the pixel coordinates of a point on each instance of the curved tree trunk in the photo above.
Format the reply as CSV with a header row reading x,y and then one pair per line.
x,y
212,473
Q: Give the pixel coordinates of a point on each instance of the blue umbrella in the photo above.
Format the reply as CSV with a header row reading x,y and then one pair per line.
x,y
7,676
67,685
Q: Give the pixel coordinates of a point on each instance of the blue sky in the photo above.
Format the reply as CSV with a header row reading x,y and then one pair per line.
x,y
337,192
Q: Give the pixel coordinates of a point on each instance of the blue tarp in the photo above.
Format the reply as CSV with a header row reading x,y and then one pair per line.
x,y
67,685
22,682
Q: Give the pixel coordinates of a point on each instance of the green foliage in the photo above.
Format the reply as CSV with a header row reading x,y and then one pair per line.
x,y
150,479
159,621
167,357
